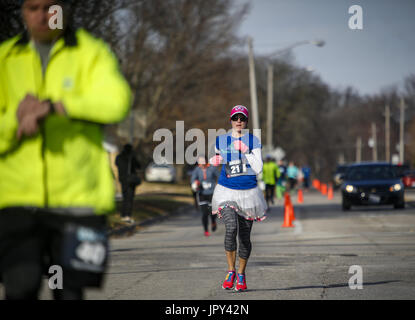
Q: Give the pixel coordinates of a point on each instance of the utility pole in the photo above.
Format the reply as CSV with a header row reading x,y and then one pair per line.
x,y
387,133
270,92
359,149
252,84
375,148
401,132
341,158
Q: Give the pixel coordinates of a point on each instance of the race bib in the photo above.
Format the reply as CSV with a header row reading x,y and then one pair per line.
x,y
85,248
235,168
206,185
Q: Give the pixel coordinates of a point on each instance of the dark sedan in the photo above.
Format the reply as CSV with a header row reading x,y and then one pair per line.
x,y
372,184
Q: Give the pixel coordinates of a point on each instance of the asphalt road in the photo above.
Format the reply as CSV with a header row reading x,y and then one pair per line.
x,y
173,260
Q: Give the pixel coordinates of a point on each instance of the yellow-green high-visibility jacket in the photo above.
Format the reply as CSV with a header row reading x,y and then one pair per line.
x,y
64,167
270,172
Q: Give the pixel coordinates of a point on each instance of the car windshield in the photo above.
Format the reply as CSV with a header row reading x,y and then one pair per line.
x,y
371,173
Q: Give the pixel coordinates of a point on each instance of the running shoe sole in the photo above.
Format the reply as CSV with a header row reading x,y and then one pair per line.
x,y
228,288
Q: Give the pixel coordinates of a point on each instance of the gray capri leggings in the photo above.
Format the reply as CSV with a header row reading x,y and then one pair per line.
x,y
233,222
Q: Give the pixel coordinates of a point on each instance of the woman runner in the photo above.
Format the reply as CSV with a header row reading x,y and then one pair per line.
x,y
203,182
237,198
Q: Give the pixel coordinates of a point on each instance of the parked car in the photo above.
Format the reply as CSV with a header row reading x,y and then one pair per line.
x,y
339,175
408,179
373,183
160,173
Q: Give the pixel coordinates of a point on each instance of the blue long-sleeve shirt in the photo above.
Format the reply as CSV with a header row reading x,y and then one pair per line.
x,y
245,180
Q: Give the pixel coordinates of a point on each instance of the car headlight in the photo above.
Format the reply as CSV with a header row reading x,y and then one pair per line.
x,y
395,187
349,188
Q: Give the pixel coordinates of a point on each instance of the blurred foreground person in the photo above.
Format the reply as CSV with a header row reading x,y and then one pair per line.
x,y
237,198
203,182
127,165
57,88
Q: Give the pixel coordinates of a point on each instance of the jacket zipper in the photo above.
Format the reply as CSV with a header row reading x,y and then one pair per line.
x,y
45,170
42,131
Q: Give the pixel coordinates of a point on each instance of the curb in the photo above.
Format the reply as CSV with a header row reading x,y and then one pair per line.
x,y
131,229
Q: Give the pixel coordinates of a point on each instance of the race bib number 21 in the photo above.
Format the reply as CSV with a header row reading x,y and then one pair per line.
x,y
235,168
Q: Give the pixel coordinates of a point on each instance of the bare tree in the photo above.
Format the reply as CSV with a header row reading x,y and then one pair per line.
x,y
174,49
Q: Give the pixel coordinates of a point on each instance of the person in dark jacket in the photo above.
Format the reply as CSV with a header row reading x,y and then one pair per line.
x,y
127,165
203,182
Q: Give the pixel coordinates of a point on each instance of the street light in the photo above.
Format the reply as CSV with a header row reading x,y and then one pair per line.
x,y
252,80
252,84
401,131
318,43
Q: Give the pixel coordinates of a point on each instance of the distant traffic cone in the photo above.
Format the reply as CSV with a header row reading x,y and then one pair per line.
x,y
324,189
330,192
300,198
287,217
317,184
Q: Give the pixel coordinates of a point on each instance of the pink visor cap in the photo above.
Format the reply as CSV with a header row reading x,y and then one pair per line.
x,y
239,109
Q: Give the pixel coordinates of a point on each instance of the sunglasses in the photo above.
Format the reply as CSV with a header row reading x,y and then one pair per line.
x,y
240,117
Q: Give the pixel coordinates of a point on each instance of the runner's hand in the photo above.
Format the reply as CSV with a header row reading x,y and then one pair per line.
x,y
195,185
59,108
239,145
29,113
28,127
27,106
216,160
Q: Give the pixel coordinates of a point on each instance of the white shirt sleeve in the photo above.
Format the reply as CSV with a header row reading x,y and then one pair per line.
x,y
255,160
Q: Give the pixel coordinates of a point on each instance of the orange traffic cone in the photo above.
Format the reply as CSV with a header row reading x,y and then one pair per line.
x,y
324,189
287,217
291,211
286,198
300,198
290,206
330,192
317,184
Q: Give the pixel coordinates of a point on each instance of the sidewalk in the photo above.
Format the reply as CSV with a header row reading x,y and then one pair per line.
x,y
153,203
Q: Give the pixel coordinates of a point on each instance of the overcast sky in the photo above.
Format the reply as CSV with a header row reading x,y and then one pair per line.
x,y
378,56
